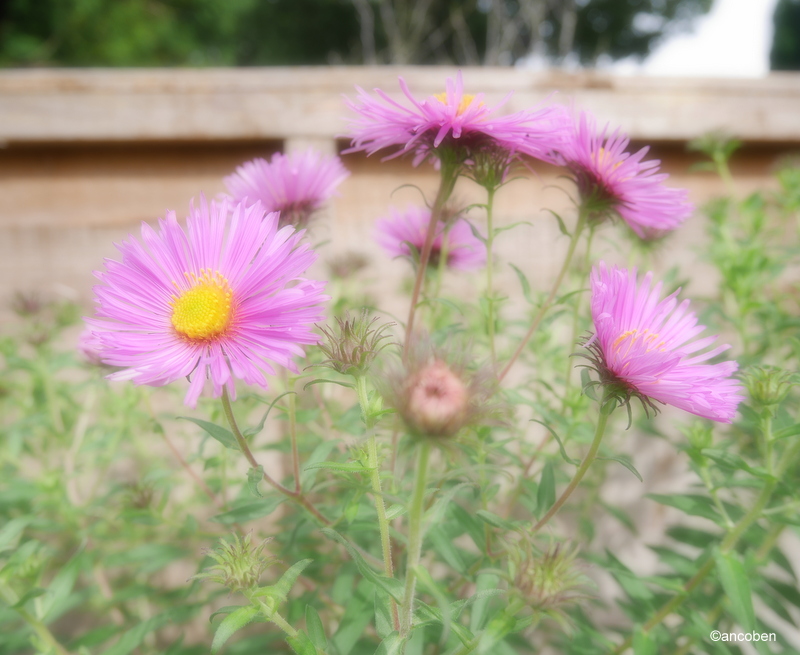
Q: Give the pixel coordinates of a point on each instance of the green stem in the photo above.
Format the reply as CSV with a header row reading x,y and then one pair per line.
x,y
490,191
728,544
293,433
537,319
297,497
41,630
449,175
415,533
607,405
377,492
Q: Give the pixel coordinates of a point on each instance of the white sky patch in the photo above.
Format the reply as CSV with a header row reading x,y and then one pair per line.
x,y
732,40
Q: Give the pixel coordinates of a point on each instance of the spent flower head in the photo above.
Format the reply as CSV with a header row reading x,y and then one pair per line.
x,y
646,347
610,179
220,300
436,394
451,126
296,184
403,230
239,563
550,581
353,343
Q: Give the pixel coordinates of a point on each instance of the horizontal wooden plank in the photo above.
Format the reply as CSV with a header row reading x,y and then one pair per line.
x,y
96,105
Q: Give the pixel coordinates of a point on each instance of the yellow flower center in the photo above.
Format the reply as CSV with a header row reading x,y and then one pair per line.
x,y
466,101
649,339
203,312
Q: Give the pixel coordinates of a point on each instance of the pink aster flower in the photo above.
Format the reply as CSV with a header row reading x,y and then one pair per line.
x,y
607,174
394,233
219,300
649,348
451,120
296,185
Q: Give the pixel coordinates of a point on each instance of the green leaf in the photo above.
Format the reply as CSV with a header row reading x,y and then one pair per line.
x,y
736,585
427,582
625,461
494,520
254,476
391,586
561,226
250,432
357,616
567,458
249,511
443,545
280,590
392,644
33,593
315,629
691,504
350,467
60,588
436,513
790,431
319,454
302,644
12,530
225,437
480,608
341,383
232,623
643,643
546,493
526,287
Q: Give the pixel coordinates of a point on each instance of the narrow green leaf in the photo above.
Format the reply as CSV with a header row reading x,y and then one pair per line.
x,y
691,504
349,467
561,226
357,617
391,645
52,605
494,520
790,431
737,588
391,586
428,584
643,643
12,530
526,287
225,437
625,461
319,454
250,432
249,511
282,587
444,546
546,493
33,593
349,385
254,476
480,608
315,629
302,644
232,623
567,458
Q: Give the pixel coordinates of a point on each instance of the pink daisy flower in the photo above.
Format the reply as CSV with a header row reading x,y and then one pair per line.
x,y
220,300
449,120
607,174
648,346
394,233
296,185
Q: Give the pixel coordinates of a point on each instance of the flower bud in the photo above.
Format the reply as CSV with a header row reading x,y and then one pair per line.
x,y
549,581
768,385
353,344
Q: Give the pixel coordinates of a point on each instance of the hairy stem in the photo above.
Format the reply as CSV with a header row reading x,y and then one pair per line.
x,y
415,534
489,269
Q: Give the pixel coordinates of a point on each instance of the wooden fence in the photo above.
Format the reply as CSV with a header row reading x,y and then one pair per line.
x,y
88,154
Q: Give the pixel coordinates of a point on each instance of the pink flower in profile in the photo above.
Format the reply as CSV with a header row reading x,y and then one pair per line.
x,y
296,185
394,233
449,120
612,177
648,347
90,347
220,300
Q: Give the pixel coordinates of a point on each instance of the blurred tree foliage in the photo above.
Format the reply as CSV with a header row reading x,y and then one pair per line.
x,y
274,32
785,53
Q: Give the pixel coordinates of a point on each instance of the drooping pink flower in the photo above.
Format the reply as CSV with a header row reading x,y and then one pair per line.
x,y
296,185
394,233
609,175
451,120
219,300
649,347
